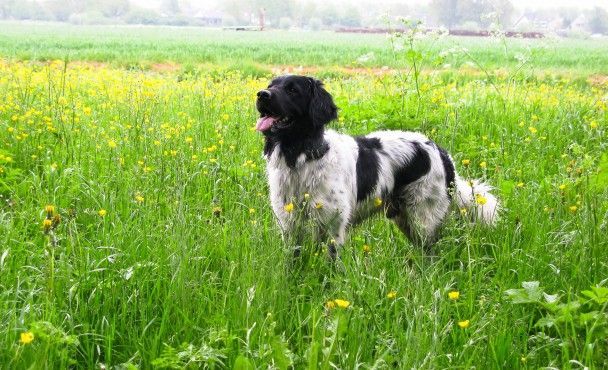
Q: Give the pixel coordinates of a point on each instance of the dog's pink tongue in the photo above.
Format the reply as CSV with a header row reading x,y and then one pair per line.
x,y
264,123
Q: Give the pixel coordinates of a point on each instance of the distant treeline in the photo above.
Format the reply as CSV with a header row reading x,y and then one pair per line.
x,y
468,15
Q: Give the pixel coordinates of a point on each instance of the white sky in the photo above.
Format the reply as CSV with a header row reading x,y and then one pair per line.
x,y
522,4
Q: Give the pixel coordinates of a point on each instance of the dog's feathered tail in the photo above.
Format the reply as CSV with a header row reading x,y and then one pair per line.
x,y
474,198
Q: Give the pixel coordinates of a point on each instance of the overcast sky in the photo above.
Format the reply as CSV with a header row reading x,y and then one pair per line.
x,y
523,4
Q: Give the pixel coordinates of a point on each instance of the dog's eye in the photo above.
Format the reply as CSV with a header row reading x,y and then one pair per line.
x,y
292,90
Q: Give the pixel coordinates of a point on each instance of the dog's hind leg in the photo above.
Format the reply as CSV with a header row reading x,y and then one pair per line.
x,y
421,222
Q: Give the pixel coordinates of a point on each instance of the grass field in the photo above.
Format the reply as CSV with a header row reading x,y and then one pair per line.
x,y
136,232
140,46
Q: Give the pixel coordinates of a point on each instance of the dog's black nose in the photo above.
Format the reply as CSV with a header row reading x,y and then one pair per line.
x,y
263,94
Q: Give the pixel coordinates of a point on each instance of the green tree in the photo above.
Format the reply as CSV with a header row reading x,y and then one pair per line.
x,y
351,17
329,14
445,12
114,8
170,6
60,10
568,15
598,20
6,8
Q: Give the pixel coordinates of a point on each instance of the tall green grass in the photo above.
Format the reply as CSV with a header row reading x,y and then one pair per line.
x,y
186,267
133,46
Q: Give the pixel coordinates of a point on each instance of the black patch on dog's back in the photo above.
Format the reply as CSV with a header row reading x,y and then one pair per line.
x,y
448,168
367,165
418,166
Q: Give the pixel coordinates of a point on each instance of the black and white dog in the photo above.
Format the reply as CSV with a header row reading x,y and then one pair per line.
x,y
338,180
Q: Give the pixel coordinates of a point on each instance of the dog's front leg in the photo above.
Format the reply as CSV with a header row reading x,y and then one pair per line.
x,y
333,225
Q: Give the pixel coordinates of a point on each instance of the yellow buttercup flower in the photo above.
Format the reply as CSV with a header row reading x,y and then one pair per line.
x,y
318,205
391,295
454,295
102,212
480,199
366,248
378,202
112,144
520,184
483,164
26,337
573,209
288,207
466,162
139,198
532,130
464,324
341,303
251,211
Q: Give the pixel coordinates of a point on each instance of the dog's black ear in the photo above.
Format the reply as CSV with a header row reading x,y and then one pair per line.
x,y
322,109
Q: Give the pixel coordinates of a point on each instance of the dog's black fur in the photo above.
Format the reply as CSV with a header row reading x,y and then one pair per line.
x,y
304,108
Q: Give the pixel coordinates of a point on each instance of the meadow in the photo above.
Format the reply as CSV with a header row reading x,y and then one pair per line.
x,y
136,231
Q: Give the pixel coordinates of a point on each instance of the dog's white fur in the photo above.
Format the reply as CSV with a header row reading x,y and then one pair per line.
x,y
331,185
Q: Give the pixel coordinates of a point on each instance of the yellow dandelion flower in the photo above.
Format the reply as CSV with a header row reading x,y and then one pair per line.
x,y
330,305
188,139
102,212
463,211
366,248
49,208
341,303
573,209
391,295
593,124
562,187
26,337
112,144
139,198
288,207
251,211
483,164
464,324
318,205
377,202
480,199
532,130
225,117
454,295
466,162
520,184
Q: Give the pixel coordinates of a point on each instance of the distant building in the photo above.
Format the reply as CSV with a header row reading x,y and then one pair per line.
x,y
581,23
209,18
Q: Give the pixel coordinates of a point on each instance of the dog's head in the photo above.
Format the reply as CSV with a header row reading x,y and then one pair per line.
x,y
294,104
